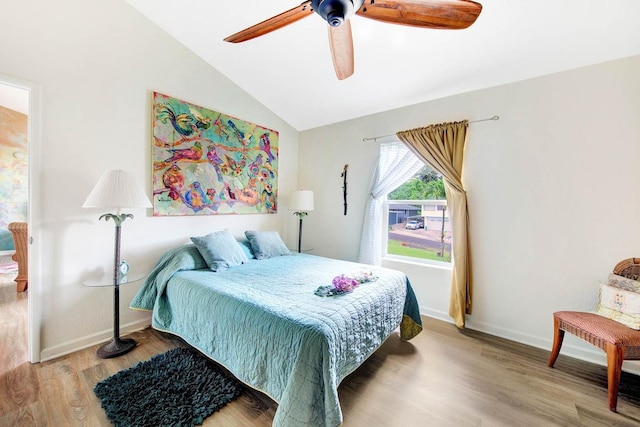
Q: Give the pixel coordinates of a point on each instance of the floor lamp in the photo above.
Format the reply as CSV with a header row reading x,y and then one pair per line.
x,y
301,202
117,189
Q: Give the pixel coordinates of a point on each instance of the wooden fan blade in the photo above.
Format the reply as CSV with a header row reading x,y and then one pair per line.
x,y
272,24
341,43
438,14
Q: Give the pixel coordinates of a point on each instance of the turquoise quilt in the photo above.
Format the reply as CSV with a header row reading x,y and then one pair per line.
x,y
263,322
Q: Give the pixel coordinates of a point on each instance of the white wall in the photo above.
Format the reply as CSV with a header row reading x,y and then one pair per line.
x,y
552,190
96,64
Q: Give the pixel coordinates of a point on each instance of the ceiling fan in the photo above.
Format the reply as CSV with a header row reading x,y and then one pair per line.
x,y
438,14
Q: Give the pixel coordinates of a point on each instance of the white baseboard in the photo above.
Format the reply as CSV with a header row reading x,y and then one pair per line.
x,y
90,340
571,346
440,315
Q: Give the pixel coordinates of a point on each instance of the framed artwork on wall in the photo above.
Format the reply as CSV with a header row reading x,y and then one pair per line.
x,y
208,163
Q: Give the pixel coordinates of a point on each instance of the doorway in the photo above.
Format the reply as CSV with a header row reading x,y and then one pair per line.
x,y
19,116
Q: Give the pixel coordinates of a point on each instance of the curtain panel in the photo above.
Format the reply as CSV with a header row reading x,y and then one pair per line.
x,y
396,165
442,147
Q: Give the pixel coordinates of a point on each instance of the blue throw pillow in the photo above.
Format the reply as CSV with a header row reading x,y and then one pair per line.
x,y
220,250
266,244
246,247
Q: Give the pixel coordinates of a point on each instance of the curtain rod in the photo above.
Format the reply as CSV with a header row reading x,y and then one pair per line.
x,y
374,138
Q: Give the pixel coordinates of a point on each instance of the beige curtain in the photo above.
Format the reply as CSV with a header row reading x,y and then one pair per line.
x,y
442,147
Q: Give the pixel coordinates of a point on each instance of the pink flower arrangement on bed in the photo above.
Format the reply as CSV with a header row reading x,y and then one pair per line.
x,y
343,284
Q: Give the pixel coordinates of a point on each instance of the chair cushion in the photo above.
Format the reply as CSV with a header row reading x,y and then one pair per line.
x,y
579,323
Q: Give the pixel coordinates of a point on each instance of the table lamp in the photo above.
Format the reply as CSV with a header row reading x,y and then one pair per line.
x,y
117,189
301,202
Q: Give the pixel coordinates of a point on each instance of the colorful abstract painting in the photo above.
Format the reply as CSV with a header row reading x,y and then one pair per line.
x,y
207,163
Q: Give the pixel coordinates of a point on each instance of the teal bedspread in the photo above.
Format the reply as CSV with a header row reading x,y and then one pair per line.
x,y
262,321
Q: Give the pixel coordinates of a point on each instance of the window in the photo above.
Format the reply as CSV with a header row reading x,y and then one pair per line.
x,y
418,220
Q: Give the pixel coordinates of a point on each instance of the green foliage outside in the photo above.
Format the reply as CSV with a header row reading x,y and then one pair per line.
x,y
395,247
425,185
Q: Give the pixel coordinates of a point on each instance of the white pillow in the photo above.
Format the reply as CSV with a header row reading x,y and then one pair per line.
x,y
619,305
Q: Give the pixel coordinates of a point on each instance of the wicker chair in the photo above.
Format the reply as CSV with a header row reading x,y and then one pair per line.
x,y
617,340
19,231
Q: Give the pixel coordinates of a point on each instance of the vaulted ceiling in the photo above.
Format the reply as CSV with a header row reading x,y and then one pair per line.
x,y
290,70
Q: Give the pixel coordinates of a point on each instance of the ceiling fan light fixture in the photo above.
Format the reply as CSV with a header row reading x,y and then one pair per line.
x,y
335,18
335,11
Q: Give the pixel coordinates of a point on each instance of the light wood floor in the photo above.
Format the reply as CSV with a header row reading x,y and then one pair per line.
x,y
443,377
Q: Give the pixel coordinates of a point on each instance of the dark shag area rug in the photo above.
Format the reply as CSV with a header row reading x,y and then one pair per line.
x,y
178,388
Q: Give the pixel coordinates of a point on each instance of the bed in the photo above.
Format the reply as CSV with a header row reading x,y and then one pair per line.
x,y
265,323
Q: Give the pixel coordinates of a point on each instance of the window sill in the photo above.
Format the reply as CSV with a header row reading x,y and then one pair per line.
x,y
417,262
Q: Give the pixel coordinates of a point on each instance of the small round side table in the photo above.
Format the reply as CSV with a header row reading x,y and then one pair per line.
x,y
117,346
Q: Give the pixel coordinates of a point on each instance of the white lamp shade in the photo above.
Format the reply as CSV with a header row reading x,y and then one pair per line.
x,y
301,201
117,189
